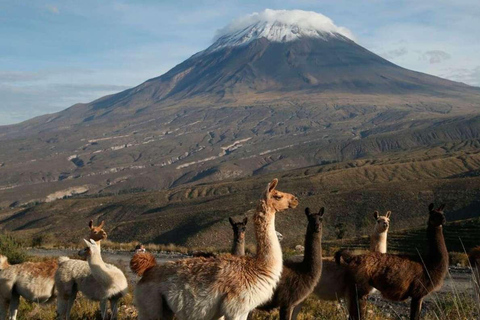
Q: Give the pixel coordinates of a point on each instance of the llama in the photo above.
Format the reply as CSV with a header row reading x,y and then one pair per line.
x,y
398,277
474,258
333,284
34,281
95,279
239,228
299,278
226,285
97,233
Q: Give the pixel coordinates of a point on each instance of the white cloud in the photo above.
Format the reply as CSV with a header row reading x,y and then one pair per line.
x,y
303,20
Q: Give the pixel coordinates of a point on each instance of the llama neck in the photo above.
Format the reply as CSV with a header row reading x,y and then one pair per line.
x,y
378,242
312,258
238,248
99,269
269,251
437,255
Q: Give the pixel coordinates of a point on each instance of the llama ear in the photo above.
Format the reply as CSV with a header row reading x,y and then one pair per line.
x,y
441,207
388,214
87,242
375,215
245,220
231,221
322,211
307,211
271,186
431,206
102,224
90,224
93,242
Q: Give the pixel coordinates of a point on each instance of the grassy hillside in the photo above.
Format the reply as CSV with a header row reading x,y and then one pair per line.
x,y
458,235
197,215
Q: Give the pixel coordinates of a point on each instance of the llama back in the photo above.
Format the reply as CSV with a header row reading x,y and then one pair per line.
x,y
32,280
77,272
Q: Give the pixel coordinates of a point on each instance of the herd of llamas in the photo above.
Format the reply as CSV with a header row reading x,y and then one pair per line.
x,y
231,286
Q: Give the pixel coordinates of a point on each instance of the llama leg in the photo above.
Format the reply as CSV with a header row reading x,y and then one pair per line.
x,y
357,304
103,309
71,300
114,308
3,309
297,310
415,308
14,301
62,304
286,313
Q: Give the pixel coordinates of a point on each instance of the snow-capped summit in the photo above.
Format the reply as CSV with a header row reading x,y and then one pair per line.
x,y
278,26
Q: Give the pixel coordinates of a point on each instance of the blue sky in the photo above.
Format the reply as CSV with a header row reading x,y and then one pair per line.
x,y
54,54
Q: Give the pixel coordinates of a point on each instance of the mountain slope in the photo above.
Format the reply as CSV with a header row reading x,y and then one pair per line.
x,y
275,91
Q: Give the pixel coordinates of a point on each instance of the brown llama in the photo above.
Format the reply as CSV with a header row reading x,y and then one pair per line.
x,y
333,284
239,229
299,278
474,258
226,285
34,281
399,277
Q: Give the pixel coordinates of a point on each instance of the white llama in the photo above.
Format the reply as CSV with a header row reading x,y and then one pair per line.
x,y
34,281
95,279
225,285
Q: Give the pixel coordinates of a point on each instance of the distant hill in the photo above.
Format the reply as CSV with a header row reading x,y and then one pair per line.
x,y
197,215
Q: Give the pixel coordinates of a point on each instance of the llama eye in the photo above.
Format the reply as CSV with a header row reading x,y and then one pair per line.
x,y
277,197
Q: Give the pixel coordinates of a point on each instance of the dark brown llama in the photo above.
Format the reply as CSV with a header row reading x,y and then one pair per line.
x,y
239,228
399,277
238,246
300,278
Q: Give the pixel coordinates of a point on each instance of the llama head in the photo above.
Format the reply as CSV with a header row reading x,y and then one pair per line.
x,y
382,222
239,228
96,232
278,200
315,219
3,262
91,249
436,216
140,248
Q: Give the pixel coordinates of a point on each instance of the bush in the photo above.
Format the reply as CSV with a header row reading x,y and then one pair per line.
x,y
10,248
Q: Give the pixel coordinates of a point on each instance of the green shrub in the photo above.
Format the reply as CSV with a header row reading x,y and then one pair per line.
x,y
10,248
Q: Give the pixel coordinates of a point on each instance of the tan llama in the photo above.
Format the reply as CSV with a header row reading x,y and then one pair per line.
x,y
399,277
34,281
333,284
95,279
226,285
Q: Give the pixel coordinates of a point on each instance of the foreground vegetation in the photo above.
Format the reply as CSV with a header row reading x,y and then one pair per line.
x,y
448,307
442,306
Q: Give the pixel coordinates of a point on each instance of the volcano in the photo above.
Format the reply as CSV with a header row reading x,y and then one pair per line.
x,y
276,90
